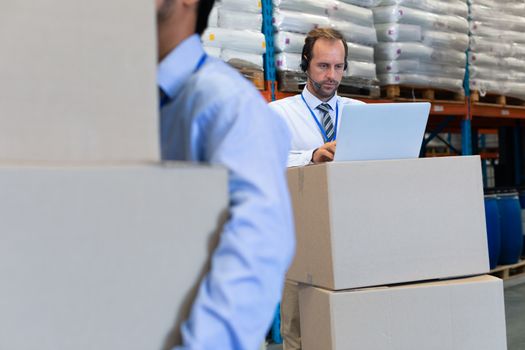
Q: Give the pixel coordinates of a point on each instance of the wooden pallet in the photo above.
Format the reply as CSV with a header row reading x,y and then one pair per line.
x,y
506,272
356,87
401,92
495,99
350,87
256,76
291,81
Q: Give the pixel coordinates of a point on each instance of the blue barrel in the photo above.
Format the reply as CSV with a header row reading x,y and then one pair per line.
x,y
522,203
493,229
522,199
511,230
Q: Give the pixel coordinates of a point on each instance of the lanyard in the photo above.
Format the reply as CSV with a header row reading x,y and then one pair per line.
x,y
165,98
202,60
319,124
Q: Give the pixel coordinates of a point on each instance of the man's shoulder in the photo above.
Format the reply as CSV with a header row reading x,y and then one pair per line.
x,y
286,100
222,79
350,101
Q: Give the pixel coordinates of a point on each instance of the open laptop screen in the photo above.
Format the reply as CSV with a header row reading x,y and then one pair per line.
x,y
381,131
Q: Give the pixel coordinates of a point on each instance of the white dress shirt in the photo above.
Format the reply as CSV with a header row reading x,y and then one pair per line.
x,y
306,134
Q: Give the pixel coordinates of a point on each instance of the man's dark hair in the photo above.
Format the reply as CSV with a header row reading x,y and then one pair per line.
x,y
203,13
312,37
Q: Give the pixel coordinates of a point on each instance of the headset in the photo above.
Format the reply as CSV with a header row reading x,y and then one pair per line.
x,y
305,62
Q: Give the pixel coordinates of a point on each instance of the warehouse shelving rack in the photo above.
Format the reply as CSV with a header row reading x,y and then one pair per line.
x,y
467,117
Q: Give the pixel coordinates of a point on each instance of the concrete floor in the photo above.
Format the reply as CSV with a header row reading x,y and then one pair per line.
x,y
515,315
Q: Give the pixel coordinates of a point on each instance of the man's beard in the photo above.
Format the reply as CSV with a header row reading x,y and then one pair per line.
x,y
165,10
332,93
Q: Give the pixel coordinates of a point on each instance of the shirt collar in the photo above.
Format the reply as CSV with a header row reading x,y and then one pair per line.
x,y
313,101
179,64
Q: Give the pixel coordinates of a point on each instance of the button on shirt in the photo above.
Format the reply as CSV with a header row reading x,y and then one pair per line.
x,y
216,116
306,135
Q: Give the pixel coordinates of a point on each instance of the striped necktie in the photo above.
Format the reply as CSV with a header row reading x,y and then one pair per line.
x,y
328,125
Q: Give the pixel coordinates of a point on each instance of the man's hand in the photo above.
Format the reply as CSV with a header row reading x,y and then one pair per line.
x,y
325,153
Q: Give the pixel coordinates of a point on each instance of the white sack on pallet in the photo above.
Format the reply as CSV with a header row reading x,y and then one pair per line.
x,y
288,42
213,51
511,7
351,13
419,67
450,57
363,3
513,63
418,80
288,62
397,66
361,70
395,32
240,20
362,53
313,7
518,51
487,86
297,22
446,40
484,29
442,70
252,6
356,33
454,7
498,19
238,58
516,77
395,51
492,47
241,40
476,58
485,73
213,18
405,15
514,89
331,8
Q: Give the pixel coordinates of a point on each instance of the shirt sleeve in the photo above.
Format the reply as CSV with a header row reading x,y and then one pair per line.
x,y
295,157
236,300
300,158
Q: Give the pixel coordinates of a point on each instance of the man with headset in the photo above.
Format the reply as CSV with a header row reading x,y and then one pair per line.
x,y
210,113
313,119
313,116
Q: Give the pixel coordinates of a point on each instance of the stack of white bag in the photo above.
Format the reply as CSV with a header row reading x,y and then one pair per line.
x,y
497,47
422,43
293,19
234,33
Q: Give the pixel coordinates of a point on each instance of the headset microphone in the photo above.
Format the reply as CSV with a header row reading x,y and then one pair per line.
x,y
317,86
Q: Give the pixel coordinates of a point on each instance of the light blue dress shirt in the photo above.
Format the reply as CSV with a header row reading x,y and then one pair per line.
x,y
218,117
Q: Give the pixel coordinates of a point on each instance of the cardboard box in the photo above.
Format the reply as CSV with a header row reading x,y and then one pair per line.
x,y
78,81
103,258
362,224
465,314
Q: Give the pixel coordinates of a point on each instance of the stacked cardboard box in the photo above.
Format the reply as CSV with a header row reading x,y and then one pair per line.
x,y
102,245
372,239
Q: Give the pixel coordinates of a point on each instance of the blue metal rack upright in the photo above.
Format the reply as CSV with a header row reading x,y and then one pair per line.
x,y
269,56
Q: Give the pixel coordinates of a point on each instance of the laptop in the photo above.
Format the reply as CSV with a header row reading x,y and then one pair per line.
x,y
381,131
